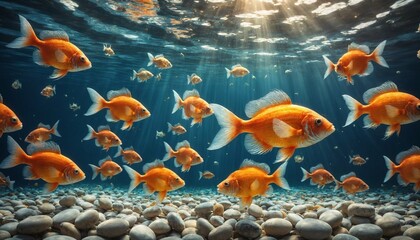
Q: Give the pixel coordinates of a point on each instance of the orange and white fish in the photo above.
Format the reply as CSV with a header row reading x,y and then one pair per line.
x,y
9,122
54,49
357,160
44,162
176,129
252,179
103,138
142,75
121,107
205,174
159,60
184,155
408,168
107,168
160,134
237,71
42,133
318,175
385,105
6,182
194,79
108,50
356,61
156,178
275,122
194,106
129,156
48,91
16,84
351,184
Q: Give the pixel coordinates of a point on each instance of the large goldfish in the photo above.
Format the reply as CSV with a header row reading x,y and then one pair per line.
x,y
184,155
45,161
356,61
42,133
252,179
9,122
159,60
121,107
385,105
157,178
275,122
318,175
54,49
194,106
351,184
103,138
107,168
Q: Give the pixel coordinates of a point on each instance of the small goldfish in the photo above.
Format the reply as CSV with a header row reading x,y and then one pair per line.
x,y
158,77
205,174
108,50
160,61
157,178
275,122
357,160
299,158
107,168
184,155
142,75
176,129
54,49
9,122
74,106
216,163
385,105
351,184
45,161
48,91
42,133
6,182
160,134
356,61
318,175
121,107
129,155
408,168
194,106
237,71
16,85
194,79
252,179
103,138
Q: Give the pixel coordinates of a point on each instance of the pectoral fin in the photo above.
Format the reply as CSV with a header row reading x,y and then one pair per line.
x,y
60,56
49,187
255,185
58,73
392,111
161,196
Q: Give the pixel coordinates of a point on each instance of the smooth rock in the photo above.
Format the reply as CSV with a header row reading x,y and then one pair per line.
x,y
160,226
293,218
68,215
46,208
413,232
34,224
87,219
255,210
4,234
10,227
204,227
192,237
152,212
67,201
401,238
216,221
361,210
142,232
218,209
59,237
332,217
223,232
366,231
248,229
24,213
112,228
175,221
342,236
277,227
70,230
391,226
204,209
232,213
313,229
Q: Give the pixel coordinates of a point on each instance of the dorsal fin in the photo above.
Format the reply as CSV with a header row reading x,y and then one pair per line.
x,y
159,55
155,164
355,46
237,65
350,174
43,147
118,93
192,93
108,158
372,93
141,69
403,155
249,163
129,148
273,98
184,143
319,166
104,127
41,125
45,35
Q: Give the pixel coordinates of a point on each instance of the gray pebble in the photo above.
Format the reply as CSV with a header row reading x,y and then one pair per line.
x,y
69,229
4,234
204,209
277,227
87,219
332,217
89,198
204,227
342,236
248,229
401,238
59,237
10,227
160,226
192,237
298,209
223,232
67,201
293,218
255,211
313,229
366,231
68,215
46,208
111,228
34,224
216,221
94,237
141,232
152,212
413,232
391,226
232,213
361,210
24,213
175,221
105,203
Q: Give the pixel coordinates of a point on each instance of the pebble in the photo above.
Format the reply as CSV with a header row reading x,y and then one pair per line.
x,y
332,217
204,227
46,208
391,226
67,201
248,229
277,227
152,212
58,237
413,232
256,211
34,224
232,213
4,234
87,219
24,213
366,231
175,221
223,232
342,236
68,215
313,229
141,232
105,203
218,209
293,218
111,228
361,210
10,227
89,198
216,221
70,230
204,209
160,226
192,237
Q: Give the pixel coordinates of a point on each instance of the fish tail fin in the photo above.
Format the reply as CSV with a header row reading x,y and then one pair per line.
x,y
10,183
54,129
17,155
377,55
91,133
178,102
150,59
227,72
134,75
305,174
350,159
188,79
95,171
356,109
391,168
278,177
200,175
136,178
98,102
330,66
338,185
231,126
169,127
119,152
28,37
169,152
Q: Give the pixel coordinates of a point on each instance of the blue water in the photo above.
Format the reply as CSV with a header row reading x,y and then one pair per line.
x,y
204,38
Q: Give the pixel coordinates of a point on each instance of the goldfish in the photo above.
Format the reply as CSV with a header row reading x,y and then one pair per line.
x,y
356,61
408,167
252,179
104,137
48,91
108,50
159,60
237,71
418,54
184,155
156,178
176,129
160,134
74,106
194,106
16,85
129,155
205,174
121,107
158,77
107,168
54,49
299,158
142,75
385,105
42,133
6,182
9,122
351,184
194,79
216,163
357,160
275,122
318,175
45,162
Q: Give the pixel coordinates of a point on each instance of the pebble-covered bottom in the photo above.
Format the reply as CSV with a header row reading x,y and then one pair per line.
x,y
94,213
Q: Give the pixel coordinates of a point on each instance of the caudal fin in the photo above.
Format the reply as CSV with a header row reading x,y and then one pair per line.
x,y
10,183
17,155
169,152
305,174
136,178
178,102
134,76
28,37
91,133
278,177
227,73
338,185
95,171
391,168
119,152
377,55
355,109
230,126
54,129
98,102
150,59
200,175
330,66
170,128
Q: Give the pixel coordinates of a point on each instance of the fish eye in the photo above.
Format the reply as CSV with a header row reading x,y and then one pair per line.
x,y
143,110
83,59
418,106
76,171
318,121
13,120
177,179
226,184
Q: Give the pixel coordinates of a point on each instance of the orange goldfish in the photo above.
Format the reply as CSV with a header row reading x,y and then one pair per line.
x,y
194,106
54,49
206,175
9,122
6,182
176,129
237,71
129,155
252,179
184,155
356,61
159,60
275,122
107,168
48,91
408,168
385,105
104,137
44,162
357,160
121,107
318,175
157,178
194,79
108,50
351,184
142,75
42,133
